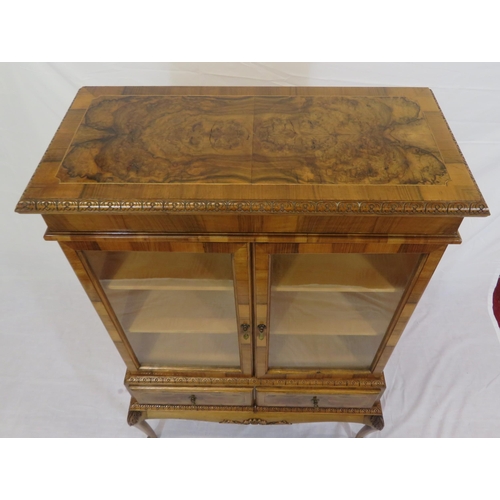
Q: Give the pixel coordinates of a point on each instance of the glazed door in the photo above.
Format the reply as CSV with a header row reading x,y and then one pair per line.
x,y
324,307
177,306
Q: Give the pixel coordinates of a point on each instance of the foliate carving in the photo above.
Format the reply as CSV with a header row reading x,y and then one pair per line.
x,y
134,417
256,207
255,421
141,379
322,382
375,410
357,411
376,421
144,407
360,382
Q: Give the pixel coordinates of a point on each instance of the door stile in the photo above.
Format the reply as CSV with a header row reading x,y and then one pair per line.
x,y
262,295
243,299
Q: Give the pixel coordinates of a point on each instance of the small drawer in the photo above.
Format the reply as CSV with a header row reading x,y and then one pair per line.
x,y
193,396
319,398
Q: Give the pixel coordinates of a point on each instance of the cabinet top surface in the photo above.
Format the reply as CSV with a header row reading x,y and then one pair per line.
x,y
254,149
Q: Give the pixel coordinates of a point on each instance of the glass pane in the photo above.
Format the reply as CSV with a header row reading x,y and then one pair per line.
x,y
332,310
176,309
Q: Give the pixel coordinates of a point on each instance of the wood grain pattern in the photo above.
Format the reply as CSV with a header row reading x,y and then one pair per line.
x,y
242,291
252,150
162,139
304,226
191,139
106,238
344,140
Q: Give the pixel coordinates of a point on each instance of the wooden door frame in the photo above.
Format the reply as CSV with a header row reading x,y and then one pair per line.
x,y
240,255
431,254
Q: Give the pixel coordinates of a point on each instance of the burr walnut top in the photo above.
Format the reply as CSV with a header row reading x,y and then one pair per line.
x,y
258,149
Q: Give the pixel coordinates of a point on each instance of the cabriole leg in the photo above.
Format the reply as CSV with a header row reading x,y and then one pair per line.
x,y
137,419
372,423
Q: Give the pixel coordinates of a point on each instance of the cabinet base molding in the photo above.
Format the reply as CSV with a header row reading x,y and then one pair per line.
x,y
132,380
255,421
255,415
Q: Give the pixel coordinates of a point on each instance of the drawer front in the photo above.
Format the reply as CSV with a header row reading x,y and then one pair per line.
x,y
193,396
317,399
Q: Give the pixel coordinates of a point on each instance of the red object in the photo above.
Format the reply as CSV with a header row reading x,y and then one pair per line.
x,y
496,302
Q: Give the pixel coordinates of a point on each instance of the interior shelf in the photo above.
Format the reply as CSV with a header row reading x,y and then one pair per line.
x,y
316,313
168,284
177,349
175,311
331,288
129,266
340,272
321,351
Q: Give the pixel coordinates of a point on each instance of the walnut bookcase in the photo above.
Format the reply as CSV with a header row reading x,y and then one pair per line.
x,y
254,252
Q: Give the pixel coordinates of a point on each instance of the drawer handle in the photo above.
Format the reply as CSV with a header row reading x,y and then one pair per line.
x,y
245,327
261,328
193,399
315,402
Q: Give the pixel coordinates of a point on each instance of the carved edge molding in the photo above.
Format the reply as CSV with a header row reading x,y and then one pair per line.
x,y
255,421
133,379
477,208
375,410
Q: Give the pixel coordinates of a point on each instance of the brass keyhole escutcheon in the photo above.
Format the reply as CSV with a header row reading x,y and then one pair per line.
x,y
245,327
193,399
261,329
315,402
